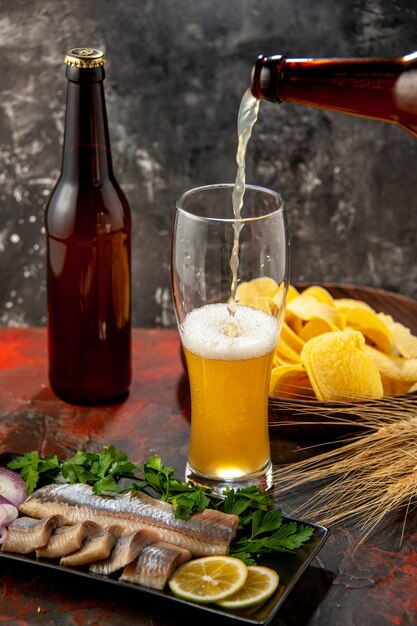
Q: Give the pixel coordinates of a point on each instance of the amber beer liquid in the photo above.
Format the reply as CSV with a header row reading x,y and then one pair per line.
x,y
383,89
229,380
88,226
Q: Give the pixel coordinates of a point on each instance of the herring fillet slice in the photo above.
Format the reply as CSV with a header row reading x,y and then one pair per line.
x,y
67,539
97,547
25,534
204,534
155,564
126,549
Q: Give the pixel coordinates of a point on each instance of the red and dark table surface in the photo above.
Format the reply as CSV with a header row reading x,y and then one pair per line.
x,y
373,583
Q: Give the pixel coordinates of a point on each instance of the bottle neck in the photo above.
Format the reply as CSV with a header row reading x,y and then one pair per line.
x,y
365,87
86,153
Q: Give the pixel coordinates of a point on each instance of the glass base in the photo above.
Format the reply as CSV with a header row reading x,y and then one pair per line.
x,y
262,478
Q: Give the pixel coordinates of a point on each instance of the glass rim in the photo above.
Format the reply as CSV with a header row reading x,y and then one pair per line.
x,y
231,219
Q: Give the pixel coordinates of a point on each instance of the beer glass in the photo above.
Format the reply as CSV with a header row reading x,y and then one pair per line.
x,y
229,356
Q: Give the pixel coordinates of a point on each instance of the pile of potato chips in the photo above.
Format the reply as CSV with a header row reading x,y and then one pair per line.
x,y
334,349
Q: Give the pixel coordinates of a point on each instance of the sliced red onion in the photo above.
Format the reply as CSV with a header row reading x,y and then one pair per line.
x,y
8,513
12,486
4,500
3,533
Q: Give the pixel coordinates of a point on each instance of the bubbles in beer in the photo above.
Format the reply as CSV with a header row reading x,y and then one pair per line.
x,y
204,333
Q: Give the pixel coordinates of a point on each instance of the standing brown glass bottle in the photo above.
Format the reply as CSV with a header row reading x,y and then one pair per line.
x,y
88,227
384,89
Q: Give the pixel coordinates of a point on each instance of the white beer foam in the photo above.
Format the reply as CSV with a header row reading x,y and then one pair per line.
x,y
204,333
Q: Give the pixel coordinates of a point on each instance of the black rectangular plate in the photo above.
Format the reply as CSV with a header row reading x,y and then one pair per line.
x,y
289,567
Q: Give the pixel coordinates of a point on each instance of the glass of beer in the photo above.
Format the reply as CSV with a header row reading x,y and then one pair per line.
x,y
229,282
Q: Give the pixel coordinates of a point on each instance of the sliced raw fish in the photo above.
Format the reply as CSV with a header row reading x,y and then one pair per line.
x,y
67,539
126,549
206,533
155,564
25,534
97,547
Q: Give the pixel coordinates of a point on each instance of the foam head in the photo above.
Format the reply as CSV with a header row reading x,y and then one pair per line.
x,y
204,333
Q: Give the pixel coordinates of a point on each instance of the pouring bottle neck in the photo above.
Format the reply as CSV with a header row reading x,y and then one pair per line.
x,y
382,89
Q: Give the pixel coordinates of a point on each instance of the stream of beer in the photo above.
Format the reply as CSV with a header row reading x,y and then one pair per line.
x,y
248,114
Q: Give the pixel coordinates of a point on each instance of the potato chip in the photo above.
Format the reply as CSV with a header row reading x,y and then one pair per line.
x,y
387,385
289,381
263,303
292,293
339,369
404,341
262,286
320,294
291,338
347,304
372,327
394,387
261,293
295,323
316,327
277,361
279,298
286,353
307,308
394,367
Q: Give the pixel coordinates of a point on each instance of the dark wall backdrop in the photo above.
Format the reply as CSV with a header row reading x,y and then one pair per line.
x,y
176,72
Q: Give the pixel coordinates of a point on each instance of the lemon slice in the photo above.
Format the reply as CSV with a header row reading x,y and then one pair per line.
x,y
209,579
259,586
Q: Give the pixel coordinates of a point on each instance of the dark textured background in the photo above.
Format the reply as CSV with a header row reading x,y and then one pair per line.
x,y
176,72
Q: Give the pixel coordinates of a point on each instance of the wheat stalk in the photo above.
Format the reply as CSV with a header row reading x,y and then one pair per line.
x,y
370,475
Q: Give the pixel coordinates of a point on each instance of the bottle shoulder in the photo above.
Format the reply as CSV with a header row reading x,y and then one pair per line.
x,y
76,207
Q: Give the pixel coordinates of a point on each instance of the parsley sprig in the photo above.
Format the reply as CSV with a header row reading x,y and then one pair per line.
x,y
35,470
103,470
261,529
243,502
268,533
185,498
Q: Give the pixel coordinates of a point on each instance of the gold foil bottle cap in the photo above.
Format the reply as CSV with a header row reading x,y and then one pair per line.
x,y
85,57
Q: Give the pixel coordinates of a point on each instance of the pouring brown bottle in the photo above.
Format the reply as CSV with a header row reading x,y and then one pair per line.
x,y
88,225
384,89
